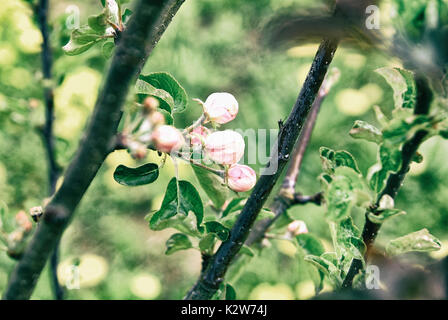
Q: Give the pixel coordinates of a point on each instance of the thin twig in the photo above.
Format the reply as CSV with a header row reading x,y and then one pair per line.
x,y
42,12
211,278
395,181
145,28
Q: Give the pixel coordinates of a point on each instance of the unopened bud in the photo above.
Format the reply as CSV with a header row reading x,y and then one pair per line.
x,y
157,118
15,237
150,104
138,150
297,227
241,178
33,103
221,107
198,135
167,138
36,213
23,221
225,147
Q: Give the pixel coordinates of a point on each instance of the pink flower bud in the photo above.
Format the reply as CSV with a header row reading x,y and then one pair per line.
x,y
150,104
221,107
241,178
157,118
138,150
297,227
199,134
225,147
23,221
167,138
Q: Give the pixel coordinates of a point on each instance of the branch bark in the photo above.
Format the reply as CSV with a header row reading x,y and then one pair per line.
x,y
213,275
147,24
54,171
395,181
287,196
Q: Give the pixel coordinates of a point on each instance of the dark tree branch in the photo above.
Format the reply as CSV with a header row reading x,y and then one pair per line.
x,y
145,28
287,196
42,12
213,275
395,181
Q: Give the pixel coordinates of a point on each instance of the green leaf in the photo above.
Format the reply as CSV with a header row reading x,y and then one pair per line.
x,y
163,86
177,242
346,190
311,244
218,229
229,220
421,241
212,185
326,266
247,251
98,23
366,131
207,243
390,158
333,159
380,116
145,174
232,206
230,292
403,85
377,178
180,198
126,15
381,216
347,240
107,49
81,40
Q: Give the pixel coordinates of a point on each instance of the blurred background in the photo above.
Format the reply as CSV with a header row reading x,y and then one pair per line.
x,y
210,46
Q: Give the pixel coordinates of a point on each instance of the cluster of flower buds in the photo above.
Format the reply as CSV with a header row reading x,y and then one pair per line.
x,y
152,121
225,148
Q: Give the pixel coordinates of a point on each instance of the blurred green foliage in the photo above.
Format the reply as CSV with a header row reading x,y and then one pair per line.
x,y
210,46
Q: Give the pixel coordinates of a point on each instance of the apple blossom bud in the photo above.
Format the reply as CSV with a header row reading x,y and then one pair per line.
x,y
241,178
225,147
157,118
23,221
138,150
150,104
297,227
167,138
198,135
33,103
221,107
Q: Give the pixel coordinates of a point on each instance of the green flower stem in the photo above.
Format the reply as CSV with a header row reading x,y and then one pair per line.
x,y
146,26
219,173
211,278
201,120
395,181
